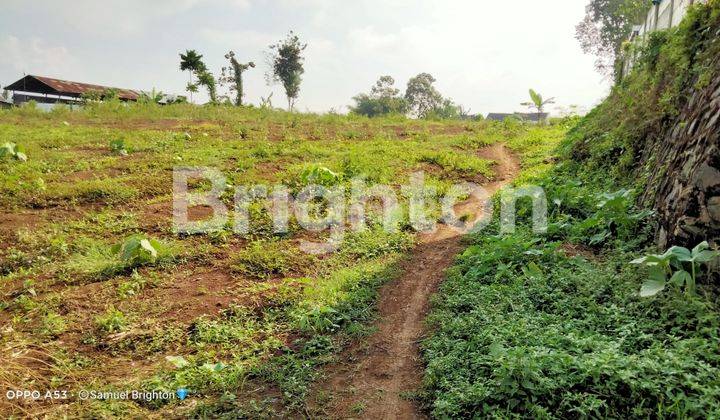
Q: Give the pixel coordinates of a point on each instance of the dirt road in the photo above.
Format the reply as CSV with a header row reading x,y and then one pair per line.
x,y
372,376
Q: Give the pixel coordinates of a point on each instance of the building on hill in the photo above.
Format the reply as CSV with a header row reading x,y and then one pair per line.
x,y
531,117
47,90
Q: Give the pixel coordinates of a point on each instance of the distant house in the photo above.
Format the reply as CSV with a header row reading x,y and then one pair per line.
x,y
531,117
46,90
51,91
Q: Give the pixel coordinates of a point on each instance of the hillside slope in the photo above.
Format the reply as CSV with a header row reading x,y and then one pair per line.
x,y
660,128
552,325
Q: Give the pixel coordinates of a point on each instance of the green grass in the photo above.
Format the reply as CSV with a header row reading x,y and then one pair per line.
x,y
524,328
246,312
552,325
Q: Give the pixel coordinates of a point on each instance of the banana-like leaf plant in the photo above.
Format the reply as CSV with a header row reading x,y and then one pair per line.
x,y
538,103
678,264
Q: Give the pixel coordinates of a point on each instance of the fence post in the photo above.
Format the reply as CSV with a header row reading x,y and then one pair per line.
x,y
672,12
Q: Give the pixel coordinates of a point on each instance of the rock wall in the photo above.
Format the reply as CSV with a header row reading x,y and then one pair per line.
x,y
684,167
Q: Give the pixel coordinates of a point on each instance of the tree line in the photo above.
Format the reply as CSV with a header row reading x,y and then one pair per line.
x,y
421,100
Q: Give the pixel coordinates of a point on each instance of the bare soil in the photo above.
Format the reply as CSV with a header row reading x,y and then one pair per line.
x,y
372,377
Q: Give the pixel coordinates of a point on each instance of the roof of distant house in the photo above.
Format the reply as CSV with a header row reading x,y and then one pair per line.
x,y
530,116
48,85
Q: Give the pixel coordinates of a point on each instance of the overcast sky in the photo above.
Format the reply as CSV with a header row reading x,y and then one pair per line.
x,y
484,55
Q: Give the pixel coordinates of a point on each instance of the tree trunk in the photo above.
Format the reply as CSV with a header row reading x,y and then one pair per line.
x,y
191,92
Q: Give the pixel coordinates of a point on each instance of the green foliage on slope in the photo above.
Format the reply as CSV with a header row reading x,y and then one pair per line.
x,y
614,136
553,325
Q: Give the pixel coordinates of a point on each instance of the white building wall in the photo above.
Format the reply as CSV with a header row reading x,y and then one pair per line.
x,y
665,15
669,14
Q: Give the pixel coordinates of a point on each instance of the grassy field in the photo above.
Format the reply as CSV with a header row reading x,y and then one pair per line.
x,y
242,322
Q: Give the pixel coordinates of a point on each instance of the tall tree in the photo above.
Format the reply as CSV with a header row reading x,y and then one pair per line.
x,y
233,75
191,62
421,95
607,24
287,66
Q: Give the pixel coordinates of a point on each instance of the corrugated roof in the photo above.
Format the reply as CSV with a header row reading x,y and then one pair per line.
x,y
530,116
67,88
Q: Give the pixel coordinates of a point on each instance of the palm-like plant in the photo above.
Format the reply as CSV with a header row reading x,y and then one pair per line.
x,y
192,62
538,103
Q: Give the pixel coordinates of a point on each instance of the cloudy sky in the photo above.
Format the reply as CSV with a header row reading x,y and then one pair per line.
x,y
485,55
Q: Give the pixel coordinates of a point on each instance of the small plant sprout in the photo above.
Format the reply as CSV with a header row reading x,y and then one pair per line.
x,y
112,321
679,264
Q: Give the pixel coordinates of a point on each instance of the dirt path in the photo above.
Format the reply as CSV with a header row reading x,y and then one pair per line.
x,y
372,376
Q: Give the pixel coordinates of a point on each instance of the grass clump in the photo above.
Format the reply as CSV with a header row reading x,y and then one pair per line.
x,y
267,258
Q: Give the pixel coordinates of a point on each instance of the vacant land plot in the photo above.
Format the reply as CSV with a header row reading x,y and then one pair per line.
x,y
240,321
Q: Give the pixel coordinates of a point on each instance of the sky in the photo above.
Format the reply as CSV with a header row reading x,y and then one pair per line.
x,y
485,55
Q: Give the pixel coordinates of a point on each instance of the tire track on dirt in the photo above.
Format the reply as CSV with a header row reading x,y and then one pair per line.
x,y
372,376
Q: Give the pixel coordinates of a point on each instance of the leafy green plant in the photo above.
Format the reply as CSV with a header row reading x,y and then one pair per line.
x,y
53,324
133,286
117,146
112,321
12,150
614,216
320,175
138,250
678,264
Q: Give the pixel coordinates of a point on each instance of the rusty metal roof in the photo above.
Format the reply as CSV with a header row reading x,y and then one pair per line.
x,y
48,85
